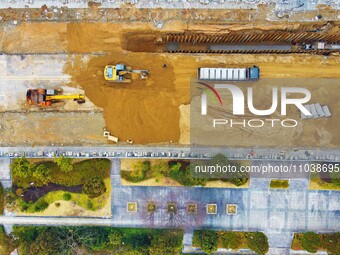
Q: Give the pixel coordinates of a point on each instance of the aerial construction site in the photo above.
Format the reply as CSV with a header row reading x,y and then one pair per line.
x,y
69,71
169,127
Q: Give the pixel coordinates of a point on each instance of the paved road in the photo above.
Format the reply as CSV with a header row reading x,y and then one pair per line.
x,y
205,4
174,151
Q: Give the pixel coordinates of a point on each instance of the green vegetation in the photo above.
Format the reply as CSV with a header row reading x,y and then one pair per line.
x,y
258,242
325,176
82,200
180,171
231,240
94,187
2,199
279,184
87,240
24,172
7,242
93,174
67,196
209,241
64,163
48,171
313,242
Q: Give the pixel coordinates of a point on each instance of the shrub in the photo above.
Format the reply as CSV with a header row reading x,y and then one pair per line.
x,y
57,204
207,240
311,242
89,204
279,184
21,167
19,192
94,187
258,242
2,202
139,171
67,196
40,205
184,176
230,240
331,242
23,206
81,172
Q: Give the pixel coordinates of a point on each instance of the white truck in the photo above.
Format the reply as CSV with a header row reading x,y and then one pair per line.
x,y
228,74
110,137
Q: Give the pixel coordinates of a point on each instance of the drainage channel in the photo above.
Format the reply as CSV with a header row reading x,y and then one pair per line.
x,y
255,51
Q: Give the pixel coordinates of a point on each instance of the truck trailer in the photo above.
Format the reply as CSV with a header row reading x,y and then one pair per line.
x,y
228,74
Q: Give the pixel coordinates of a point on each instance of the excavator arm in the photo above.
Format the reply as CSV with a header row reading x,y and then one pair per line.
x,y
63,97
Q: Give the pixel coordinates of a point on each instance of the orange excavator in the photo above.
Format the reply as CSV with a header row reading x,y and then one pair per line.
x,y
46,97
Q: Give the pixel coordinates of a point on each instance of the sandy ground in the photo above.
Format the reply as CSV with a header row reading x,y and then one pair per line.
x,y
152,182
184,124
68,208
36,128
148,111
220,184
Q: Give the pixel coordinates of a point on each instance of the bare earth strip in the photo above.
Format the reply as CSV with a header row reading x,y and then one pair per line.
x,y
148,111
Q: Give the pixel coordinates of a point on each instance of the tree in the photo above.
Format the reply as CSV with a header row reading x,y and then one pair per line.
x,y
139,170
95,238
175,168
21,167
238,178
64,163
47,243
163,168
258,242
7,242
27,233
94,187
208,240
41,173
115,238
219,159
311,242
166,243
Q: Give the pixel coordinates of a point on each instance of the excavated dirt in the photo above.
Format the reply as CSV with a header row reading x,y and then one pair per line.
x,y
148,111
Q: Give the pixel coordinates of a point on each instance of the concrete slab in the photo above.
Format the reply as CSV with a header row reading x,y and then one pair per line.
x,y
5,171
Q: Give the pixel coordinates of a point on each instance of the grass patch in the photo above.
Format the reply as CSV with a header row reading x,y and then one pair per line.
x,y
80,199
279,184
